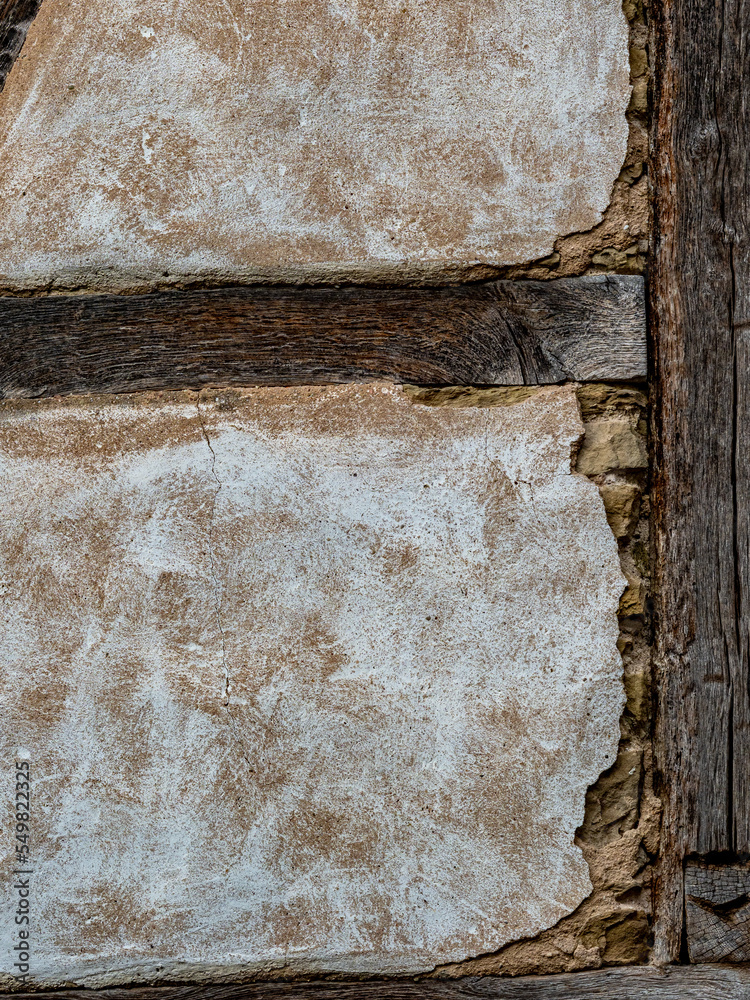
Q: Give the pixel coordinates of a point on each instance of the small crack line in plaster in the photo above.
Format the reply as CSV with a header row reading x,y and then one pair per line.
x,y
215,578
541,524
494,464
217,594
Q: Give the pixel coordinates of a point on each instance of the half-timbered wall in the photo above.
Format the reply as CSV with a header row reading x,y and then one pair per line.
x,y
371,476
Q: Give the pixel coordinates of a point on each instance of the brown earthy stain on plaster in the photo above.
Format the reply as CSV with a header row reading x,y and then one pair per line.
x,y
472,804
619,832
620,242
469,395
444,156
90,431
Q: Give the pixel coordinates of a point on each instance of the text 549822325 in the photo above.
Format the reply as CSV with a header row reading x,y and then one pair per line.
x,y
23,871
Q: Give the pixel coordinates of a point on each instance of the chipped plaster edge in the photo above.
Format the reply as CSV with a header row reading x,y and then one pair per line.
x,y
616,242
124,974
620,832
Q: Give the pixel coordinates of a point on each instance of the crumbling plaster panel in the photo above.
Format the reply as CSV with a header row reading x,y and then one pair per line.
x,y
619,835
309,679
347,140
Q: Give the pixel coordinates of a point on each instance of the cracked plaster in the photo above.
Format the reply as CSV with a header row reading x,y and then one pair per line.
x,y
406,615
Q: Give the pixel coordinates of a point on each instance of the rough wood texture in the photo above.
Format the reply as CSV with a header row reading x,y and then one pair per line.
x,y
700,309
15,20
503,333
717,912
703,982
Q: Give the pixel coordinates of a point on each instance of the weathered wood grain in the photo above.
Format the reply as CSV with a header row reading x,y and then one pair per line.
x,y
717,911
15,19
697,982
501,333
700,323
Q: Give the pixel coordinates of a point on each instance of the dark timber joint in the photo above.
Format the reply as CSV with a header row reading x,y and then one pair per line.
x,y
15,20
500,333
717,911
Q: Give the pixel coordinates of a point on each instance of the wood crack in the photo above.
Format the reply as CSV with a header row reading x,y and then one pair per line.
x,y
700,298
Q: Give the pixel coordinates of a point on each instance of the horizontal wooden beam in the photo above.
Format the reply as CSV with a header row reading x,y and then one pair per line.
x,y
717,911
697,982
499,333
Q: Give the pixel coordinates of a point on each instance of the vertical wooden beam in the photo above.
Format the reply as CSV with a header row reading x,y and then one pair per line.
x,y
700,325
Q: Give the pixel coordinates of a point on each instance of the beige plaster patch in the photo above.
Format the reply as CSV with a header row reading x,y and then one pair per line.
x,y
313,679
224,140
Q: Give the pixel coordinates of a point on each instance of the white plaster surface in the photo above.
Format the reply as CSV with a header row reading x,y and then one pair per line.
x,y
154,141
308,678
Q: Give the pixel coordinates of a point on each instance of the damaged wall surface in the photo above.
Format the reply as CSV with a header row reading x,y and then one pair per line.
x,y
312,679
236,141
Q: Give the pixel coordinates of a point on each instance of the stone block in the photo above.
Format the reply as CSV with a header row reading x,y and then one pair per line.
x,y
612,444
622,503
